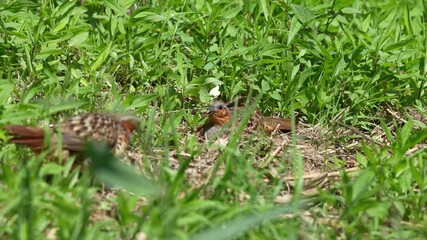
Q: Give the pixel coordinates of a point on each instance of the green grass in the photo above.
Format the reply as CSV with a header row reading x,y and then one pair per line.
x,y
328,61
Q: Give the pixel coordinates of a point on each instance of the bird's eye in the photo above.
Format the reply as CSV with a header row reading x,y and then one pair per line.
x,y
220,107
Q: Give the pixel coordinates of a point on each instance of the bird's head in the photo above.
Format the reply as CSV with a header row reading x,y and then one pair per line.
x,y
129,122
219,113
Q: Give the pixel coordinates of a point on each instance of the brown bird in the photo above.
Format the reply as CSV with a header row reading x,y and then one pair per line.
x,y
219,114
115,131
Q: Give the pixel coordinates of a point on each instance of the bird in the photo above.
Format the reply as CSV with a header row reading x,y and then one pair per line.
x,y
219,114
73,133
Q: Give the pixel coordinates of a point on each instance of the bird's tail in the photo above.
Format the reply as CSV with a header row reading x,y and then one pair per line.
x,y
278,124
31,137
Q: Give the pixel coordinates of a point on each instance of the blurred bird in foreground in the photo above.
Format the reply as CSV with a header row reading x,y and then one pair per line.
x,y
72,134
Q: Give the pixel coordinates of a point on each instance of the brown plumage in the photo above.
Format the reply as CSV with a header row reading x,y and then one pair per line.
x,y
275,123
219,114
115,131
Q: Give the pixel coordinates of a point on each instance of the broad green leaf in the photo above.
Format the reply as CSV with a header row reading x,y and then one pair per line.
x,y
361,159
19,116
350,10
61,25
30,94
378,209
65,105
151,17
264,6
339,67
407,18
399,45
19,5
242,224
64,8
386,130
6,88
78,39
113,25
102,57
113,4
302,13
116,174
276,95
142,101
232,12
362,183
51,168
126,3
366,23
407,128
265,86
273,50
416,138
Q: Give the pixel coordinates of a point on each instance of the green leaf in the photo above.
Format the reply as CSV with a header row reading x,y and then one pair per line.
x,y
101,58
294,29
264,6
64,22
242,224
231,13
362,183
151,17
78,39
416,138
350,10
339,67
114,5
407,18
303,14
64,8
378,209
265,86
19,116
19,5
361,159
273,50
276,95
398,45
30,94
6,89
142,101
386,130
51,168
116,174
65,105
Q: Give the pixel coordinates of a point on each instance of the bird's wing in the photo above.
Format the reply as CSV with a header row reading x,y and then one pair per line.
x,y
97,127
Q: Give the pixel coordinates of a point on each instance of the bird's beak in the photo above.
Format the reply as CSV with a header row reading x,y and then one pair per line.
x,y
211,111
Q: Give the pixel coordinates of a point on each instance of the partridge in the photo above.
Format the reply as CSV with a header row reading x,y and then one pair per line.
x,y
219,114
115,131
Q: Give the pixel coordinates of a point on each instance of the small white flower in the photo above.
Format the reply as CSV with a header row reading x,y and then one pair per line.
x,y
214,92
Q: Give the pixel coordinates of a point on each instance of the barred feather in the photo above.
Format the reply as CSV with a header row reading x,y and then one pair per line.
x,y
75,131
